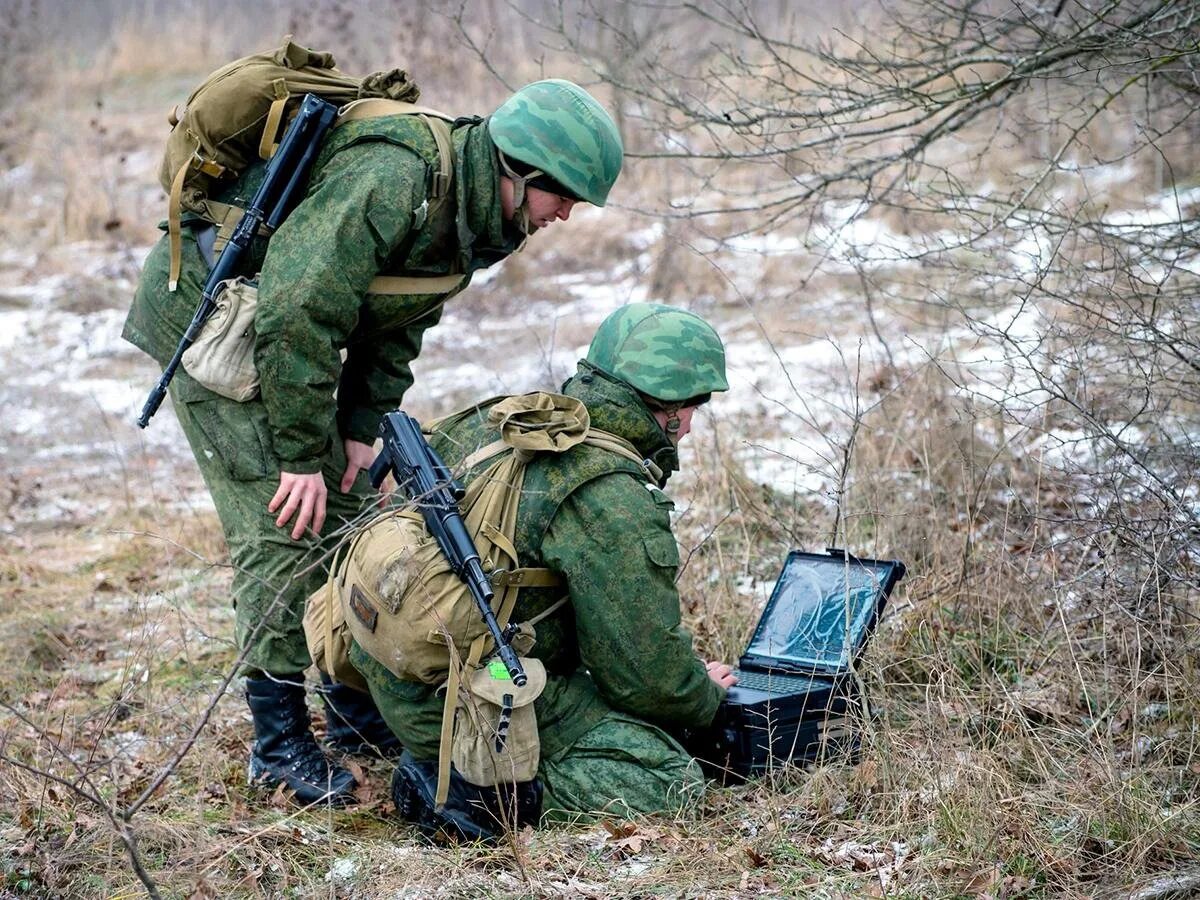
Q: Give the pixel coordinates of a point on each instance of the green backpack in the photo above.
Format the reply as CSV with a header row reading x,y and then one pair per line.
x,y
238,114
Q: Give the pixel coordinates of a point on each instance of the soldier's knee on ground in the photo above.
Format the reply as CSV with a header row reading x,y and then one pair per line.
x,y
622,767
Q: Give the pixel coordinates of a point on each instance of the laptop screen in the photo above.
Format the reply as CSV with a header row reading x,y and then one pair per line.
x,y
820,611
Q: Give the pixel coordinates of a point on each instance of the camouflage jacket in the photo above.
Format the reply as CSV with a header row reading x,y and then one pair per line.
x,y
590,516
365,213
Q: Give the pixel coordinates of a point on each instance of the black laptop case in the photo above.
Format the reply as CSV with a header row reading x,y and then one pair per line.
x,y
796,702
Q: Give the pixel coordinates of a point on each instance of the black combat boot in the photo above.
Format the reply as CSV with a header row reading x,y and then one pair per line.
x,y
286,749
471,813
353,723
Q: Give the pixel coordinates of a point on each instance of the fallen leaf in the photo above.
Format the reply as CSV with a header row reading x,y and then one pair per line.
x,y
1015,886
279,798
627,839
367,793
756,859
983,883
619,829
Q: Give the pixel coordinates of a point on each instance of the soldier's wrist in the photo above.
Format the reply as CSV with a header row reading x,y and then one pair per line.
x,y
300,466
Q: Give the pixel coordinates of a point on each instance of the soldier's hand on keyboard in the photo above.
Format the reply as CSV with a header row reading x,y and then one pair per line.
x,y
721,673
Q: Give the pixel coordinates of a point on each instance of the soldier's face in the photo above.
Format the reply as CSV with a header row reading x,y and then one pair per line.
x,y
544,207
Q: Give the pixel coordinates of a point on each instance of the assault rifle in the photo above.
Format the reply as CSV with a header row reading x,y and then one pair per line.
x,y
428,483
286,175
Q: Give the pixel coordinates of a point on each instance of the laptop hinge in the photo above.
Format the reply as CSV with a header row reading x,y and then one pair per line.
x,y
774,664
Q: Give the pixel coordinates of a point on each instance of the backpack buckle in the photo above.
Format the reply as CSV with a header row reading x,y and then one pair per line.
x,y
504,577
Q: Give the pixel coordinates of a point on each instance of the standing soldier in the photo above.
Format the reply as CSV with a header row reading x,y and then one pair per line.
x,y
333,351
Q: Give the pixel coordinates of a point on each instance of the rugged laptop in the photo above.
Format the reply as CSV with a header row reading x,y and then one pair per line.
x,y
794,692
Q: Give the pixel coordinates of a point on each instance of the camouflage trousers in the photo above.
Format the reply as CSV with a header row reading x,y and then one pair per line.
x,y
595,759
621,767
273,574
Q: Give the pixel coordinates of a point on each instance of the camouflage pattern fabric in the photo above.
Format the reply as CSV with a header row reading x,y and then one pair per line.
x,y
641,344
364,213
272,574
622,670
559,128
623,767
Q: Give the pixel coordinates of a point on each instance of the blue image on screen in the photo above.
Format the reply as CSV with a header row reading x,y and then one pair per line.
x,y
818,612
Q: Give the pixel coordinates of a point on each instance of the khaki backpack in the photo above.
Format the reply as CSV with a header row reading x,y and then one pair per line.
x,y
238,114
394,592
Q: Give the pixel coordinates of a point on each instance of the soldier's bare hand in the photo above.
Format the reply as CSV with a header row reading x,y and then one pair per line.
x,y
721,673
358,456
302,496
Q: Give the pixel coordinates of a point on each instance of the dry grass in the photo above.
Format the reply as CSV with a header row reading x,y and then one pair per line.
x,y
1016,749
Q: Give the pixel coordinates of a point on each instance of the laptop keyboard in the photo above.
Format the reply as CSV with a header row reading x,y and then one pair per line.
x,y
773,682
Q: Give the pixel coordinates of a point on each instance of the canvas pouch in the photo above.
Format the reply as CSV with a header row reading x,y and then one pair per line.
x,y
495,731
222,357
328,639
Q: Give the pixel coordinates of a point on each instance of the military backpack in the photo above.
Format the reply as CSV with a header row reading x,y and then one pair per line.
x,y
238,114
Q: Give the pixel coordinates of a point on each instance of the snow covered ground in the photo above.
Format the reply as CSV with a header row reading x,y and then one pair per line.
x,y
71,387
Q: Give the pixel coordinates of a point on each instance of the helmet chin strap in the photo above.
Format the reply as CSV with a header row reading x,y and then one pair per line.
x,y
673,423
520,202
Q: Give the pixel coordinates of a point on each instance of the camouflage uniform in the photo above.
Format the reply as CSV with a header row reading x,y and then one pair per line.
x,y
623,673
365,213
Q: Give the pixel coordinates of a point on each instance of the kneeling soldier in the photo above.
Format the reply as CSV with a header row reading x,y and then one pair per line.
x,y
618,669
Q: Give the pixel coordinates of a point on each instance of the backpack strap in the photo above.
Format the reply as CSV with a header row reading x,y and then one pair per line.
x,y
449,421
437,123
175,226
225,216
267,144
495,448
604,440
175,210
402,285
613,443
527,577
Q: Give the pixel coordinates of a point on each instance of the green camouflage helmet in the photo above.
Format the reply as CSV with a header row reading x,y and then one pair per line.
x,y
558,127
666,353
